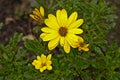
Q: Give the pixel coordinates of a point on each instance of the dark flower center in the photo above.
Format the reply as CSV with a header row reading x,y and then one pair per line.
x,y
82,44
43,64
63,31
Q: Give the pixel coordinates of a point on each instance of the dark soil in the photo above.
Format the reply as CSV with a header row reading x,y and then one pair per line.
x,y
14,22
17,22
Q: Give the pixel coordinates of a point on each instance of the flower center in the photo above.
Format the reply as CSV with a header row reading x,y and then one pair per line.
x,y
82,44
63,31
43,64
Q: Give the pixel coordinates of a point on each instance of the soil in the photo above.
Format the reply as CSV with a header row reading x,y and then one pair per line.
x,y
14,21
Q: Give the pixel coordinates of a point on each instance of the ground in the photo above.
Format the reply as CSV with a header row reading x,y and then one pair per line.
x,y
114,33
14,16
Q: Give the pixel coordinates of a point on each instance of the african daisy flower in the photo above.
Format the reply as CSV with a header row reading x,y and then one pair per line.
x,y
42,62
61,29
38,14
81,45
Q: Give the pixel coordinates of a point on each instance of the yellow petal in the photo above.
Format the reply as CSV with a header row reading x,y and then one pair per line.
x,y
49,67
43,35
66,47
37,66
34,62
37,13
33,17
53,19
38,18
86,49
72,18
86,45
77,44
49,57
48,30
62,41
76,24
38,58
42,11
63,18
53,43
44,67
75,31
58,16
72,40
51,22
41,70
48,63
72,37
79,48
43,58
80,39
51,36
72,43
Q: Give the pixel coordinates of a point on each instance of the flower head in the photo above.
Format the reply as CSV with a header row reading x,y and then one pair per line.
x,y
81,45
38,14
42,62
61,29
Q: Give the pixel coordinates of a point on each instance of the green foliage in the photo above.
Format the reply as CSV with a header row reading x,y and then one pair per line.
x,y
1,25
101,62
11,59
35,46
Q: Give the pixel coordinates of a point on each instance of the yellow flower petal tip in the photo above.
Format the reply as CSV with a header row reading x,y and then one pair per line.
x,y
38,14
62,30
43,62
42,11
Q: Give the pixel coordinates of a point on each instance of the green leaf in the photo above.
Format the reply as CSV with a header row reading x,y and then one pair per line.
x,y
14,41
5,56
34,46
1,50
1,25
36,29
20,54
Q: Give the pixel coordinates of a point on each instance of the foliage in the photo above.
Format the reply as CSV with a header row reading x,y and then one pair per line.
x,y
1,25
101,62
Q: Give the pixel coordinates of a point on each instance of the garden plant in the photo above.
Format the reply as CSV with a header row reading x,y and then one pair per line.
x,y
72,43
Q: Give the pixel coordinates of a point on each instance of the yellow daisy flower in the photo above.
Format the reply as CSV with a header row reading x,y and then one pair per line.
x,y
42,62
81,45
62,29
38,14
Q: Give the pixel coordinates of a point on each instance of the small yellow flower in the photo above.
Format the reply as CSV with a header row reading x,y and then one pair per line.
x,y
62,29
81,45
38,14
42,62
